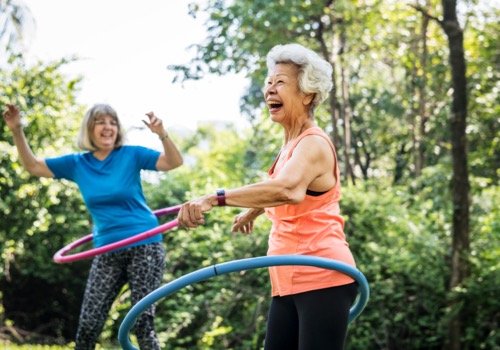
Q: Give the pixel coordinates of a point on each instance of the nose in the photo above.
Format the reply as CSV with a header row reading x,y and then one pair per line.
x,y
270,89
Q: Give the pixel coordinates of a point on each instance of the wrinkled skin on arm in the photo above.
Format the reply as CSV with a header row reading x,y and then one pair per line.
x,y
310,167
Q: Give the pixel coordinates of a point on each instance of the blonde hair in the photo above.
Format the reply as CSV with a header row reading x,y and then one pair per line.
x,y
85,136
315,73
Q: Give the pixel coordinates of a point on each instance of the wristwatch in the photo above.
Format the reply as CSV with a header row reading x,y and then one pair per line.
x,y
221,197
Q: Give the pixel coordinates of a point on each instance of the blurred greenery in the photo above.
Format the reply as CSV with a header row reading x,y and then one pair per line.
x,y
34,347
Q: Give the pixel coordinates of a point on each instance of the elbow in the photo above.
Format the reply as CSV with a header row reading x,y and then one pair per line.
x,y
33,171
179,162
37,168
164,164
297,199
292,196
173,165
288,192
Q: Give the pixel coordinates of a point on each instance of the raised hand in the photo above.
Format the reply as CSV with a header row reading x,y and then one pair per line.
x,y
12,117
155,124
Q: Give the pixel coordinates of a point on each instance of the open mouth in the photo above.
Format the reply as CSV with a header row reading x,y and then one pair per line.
x,y
106,137
274,105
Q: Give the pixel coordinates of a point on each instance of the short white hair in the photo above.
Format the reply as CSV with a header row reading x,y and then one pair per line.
x,y
315,73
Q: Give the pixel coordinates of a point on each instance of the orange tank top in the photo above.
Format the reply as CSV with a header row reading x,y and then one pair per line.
x,y
313,227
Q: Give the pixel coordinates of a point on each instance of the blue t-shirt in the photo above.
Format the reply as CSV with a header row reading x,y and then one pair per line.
x,y
112,191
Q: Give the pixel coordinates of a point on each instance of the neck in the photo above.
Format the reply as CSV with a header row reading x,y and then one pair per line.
x,y
102,153
295,130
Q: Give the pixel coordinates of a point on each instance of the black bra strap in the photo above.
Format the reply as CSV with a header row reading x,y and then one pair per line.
x,y
314,193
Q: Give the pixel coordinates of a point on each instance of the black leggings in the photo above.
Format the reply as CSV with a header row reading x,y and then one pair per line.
x,y
142,267
314,320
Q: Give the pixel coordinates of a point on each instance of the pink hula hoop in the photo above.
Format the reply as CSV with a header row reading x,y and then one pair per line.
x,y
60,257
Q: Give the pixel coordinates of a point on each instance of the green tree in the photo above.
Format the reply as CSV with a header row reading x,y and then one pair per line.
x,y
395,90
460,181
39,216
392,79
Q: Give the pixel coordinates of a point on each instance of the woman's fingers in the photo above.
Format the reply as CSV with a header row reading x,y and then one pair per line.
x,y
241,225
190,215
155,124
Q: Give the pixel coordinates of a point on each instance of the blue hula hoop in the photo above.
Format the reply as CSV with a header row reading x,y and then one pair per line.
x,y
240,265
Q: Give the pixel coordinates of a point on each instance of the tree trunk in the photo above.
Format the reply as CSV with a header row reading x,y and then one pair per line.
x,y
460,180
363,163
334,112
331,57
422,100
347,112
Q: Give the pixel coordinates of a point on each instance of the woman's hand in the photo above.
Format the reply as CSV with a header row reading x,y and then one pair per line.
x,y
155,124
243,223
12,117
191,213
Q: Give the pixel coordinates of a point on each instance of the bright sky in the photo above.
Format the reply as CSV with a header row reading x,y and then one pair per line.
x,y
125,47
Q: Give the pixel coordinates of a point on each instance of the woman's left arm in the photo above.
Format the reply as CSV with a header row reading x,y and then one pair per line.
x,y
171,158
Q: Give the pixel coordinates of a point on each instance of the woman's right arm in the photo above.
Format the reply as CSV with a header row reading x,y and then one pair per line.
x,y
32,164
243,222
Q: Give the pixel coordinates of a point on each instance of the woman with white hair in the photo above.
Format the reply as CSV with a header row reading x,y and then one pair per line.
x,y
310,306
108,176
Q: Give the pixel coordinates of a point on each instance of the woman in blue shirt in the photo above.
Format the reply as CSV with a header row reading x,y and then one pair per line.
x,y
108,176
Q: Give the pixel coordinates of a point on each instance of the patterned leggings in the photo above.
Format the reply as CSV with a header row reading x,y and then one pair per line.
x,y
142,267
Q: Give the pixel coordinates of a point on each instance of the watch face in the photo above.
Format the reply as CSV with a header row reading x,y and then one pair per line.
x,y
221,197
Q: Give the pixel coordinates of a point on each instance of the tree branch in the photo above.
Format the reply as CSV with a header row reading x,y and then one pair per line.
x,y
426,13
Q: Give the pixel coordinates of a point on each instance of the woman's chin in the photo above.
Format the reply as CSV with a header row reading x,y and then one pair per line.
x,y
275,117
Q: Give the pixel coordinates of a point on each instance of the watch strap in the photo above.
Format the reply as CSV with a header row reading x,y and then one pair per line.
x,y
221,197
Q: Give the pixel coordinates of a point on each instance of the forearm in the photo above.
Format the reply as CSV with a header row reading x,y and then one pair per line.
x,y
256,197
28,159
173,156
254,213
262,195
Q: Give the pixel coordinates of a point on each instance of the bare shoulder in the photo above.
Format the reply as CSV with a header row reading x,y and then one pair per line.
x,y
315,145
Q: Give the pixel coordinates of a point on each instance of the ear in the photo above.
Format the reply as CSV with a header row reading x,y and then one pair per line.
x,y
307,99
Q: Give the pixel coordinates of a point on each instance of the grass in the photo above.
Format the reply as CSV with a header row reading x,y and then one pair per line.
x,y
35,347
47,347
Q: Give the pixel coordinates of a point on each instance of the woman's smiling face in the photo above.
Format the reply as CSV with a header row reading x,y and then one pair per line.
x,y
282,93
105,132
